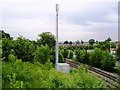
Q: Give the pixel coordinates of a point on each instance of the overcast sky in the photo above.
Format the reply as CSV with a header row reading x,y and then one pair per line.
x,y
78,19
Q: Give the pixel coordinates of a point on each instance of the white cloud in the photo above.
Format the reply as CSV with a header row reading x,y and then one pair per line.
x,y
31,17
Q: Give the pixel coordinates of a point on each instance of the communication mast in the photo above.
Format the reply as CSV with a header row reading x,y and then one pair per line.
x,y
57,9
62,67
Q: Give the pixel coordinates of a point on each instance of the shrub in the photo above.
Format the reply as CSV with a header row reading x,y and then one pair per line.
x,y
118,54
118,69
82,56
95,57
11,58
36,75
48,65
77,52
42,54
52,56
61,58
70,54
65,53
108,61
102,59
24,49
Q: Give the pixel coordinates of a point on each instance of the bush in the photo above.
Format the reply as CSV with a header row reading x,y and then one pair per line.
x,y
77,52
70,54
65,53
42,54
61,58
24,49
117,83
118,69
108,61
18,72
36,75
118,54
82,56
102,59
11,58
52,56
95,57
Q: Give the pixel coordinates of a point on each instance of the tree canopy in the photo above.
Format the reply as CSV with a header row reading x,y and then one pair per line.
x,y
91,41
66,42
46,38
5,35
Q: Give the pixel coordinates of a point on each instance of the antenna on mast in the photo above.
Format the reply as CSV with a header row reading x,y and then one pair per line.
x,y
57,8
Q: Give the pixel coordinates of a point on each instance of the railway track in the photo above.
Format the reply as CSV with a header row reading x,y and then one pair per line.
x,y
108,77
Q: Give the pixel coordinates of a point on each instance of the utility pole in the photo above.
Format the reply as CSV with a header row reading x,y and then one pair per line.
x,y
57,9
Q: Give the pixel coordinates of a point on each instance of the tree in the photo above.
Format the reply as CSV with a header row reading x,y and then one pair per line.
x,y
82,41
113,45
7,45
66,42
109,39
97,41
5,35
46,38
24,49
105,45
91,41
77,42
70,42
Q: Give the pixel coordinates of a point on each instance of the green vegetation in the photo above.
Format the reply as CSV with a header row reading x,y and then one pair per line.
x,y
82,56
118,69
96,55
118,54
30,64
70,54
19,74
42,54
91,41
46,38
102,59
61,57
